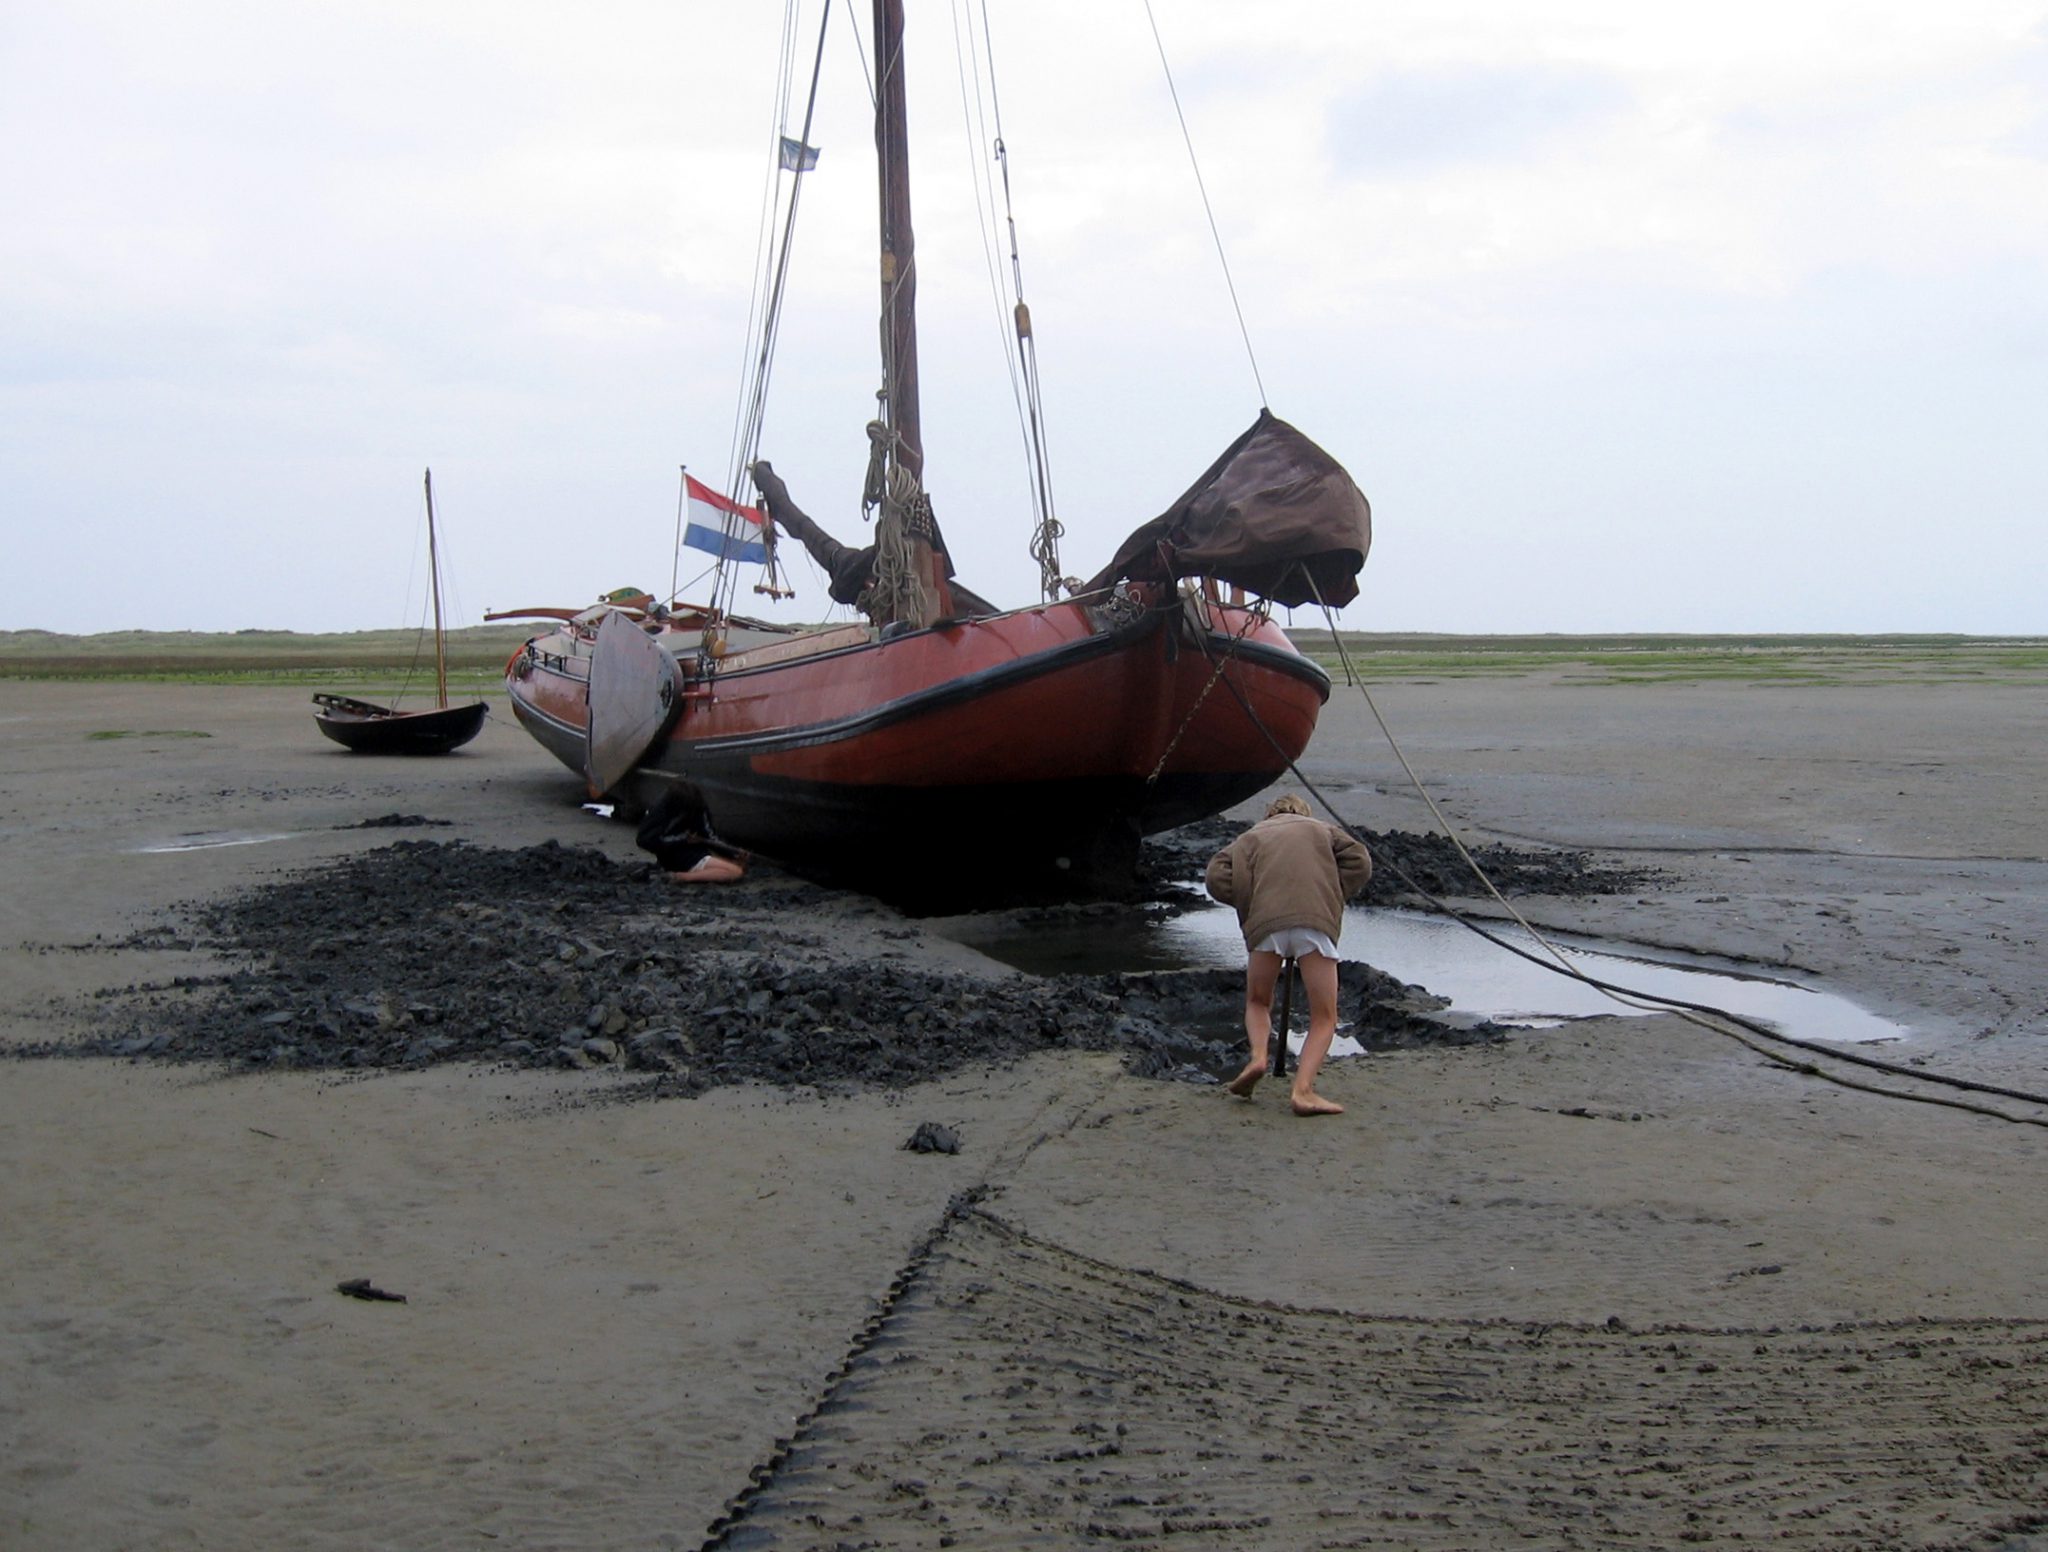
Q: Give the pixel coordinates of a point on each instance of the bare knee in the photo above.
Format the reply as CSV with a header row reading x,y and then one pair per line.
x,y
1261,975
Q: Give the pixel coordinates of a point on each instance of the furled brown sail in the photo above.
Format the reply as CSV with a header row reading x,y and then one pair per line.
x,y
1275,514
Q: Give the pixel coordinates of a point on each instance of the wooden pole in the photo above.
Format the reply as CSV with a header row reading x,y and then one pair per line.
x,y
1278,1040
899,289
899,242
440,636
675,555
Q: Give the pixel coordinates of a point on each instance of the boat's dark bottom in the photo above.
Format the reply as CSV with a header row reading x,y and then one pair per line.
x,y
947,849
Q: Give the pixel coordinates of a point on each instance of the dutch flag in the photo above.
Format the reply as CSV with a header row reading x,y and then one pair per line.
x,y
723,528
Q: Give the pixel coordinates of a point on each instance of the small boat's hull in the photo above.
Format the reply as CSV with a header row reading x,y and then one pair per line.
x,y
1045,741
364,728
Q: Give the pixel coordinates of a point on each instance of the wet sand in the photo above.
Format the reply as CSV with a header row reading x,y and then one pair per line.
x,y
1619,1283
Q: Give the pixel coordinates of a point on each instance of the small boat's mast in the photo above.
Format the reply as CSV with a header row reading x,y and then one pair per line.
x,y
899,295
440,637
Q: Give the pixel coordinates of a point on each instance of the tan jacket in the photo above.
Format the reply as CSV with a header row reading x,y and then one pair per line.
x,y
1289,871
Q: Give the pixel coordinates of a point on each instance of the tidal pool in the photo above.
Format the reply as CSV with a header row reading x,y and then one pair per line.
x,y
211,840
1432,951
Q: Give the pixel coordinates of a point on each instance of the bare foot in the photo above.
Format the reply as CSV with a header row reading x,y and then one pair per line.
x,y
1243,1084
1313,1104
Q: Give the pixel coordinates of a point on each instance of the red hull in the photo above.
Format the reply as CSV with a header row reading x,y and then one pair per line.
x,y
1044,738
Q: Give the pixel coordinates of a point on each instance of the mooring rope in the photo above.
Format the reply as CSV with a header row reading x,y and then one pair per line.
x,y
1705,1016
1203,188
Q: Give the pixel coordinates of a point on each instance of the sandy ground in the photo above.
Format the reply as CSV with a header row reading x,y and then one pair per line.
x,y
1622,1283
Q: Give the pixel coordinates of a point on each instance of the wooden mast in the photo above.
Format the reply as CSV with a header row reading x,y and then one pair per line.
x,y
899,243
440,636
899,291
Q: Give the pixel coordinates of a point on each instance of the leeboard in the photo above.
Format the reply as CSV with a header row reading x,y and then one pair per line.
x,y
633,685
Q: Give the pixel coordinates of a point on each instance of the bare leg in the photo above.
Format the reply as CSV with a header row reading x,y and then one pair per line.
x,y
1319,976
712,870
1261,974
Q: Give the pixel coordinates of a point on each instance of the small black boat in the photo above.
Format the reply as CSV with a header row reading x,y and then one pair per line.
x,y
367,728
364,727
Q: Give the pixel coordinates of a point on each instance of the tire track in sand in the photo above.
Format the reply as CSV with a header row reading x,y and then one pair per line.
x,y
1020,1394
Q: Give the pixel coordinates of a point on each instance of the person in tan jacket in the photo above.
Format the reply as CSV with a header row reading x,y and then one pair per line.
x,y
1288,877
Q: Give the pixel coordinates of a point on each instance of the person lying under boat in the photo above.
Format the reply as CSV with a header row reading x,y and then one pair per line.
x,y
678,832
849,571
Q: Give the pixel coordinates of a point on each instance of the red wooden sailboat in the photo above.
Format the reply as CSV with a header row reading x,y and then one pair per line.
x,y
944,743
364,727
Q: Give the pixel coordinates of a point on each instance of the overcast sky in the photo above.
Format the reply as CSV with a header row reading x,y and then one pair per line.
x,y
1625,316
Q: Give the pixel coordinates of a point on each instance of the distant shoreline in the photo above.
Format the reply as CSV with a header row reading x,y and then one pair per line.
x,y
477,654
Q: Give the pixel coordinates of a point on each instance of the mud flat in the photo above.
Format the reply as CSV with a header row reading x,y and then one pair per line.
x,y
1622,1282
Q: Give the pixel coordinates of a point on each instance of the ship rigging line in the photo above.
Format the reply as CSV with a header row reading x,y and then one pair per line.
x,y
1195,162
747,430
1715,1020
750,393
1026,384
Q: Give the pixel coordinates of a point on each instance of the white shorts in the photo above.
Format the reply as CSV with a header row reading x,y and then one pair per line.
x,y
1293,942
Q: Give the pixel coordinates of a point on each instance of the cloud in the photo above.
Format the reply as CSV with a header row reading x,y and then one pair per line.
x,y
1654,265
1420,120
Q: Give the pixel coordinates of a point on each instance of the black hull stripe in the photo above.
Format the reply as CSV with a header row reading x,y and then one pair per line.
x,y
559,738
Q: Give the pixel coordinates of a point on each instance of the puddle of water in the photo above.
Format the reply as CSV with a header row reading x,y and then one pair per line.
x,y
1431,951
209,841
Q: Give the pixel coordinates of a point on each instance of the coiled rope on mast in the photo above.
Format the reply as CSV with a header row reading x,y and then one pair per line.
x,y
893,589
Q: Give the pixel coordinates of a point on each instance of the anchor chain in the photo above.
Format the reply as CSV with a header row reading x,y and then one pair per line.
x,y
1252,618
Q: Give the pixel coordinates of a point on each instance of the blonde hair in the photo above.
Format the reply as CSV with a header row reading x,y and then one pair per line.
x,y
1289,803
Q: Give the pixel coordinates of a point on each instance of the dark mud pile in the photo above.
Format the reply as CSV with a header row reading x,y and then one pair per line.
x,y
422,952
1409,868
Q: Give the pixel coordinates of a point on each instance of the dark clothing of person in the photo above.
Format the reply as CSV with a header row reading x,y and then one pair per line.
x,y
678,832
